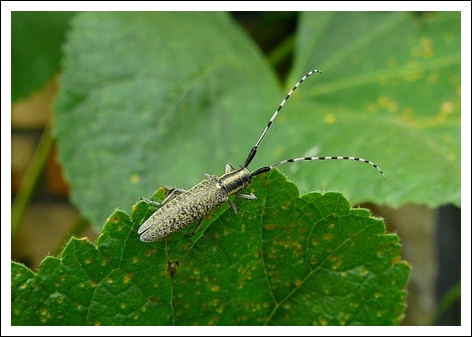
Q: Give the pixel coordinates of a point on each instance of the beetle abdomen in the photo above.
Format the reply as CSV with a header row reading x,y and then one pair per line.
x,y
184,209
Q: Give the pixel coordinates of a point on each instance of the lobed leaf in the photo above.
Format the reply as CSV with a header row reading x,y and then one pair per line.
x,y
285,259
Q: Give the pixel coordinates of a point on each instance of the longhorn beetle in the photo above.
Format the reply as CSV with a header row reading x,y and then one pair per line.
x,y
180,208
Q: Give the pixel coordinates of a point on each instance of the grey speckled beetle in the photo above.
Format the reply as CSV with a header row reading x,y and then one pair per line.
x,y
181,208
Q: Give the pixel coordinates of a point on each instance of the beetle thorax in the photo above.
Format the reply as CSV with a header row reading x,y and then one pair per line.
x,y
236,180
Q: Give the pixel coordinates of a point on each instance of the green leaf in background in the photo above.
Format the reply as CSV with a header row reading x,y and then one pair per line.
x,y
36,40
146,102
283,260
391,91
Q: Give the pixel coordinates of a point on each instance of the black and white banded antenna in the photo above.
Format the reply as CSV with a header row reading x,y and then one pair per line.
x,y
254,149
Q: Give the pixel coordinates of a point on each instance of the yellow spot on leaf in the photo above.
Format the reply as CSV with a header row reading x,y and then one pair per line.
x,y
127,278
214,302
329,118
336,262
134,178
354,304
214,288
148,252
328,236
387,103
447,107
396,260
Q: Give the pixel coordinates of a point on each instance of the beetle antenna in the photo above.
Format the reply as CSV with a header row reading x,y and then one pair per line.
x,y
253,151
293,160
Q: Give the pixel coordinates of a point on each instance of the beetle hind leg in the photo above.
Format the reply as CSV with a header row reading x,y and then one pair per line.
x,y
171,193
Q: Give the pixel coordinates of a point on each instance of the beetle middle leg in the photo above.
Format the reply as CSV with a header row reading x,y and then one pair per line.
x,y
196,229
171,193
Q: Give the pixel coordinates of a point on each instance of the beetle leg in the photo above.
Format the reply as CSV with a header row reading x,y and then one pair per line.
x,y
199,225
171,193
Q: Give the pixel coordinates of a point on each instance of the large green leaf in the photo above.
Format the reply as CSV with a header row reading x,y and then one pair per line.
x,y
283,260
390,91
149,99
